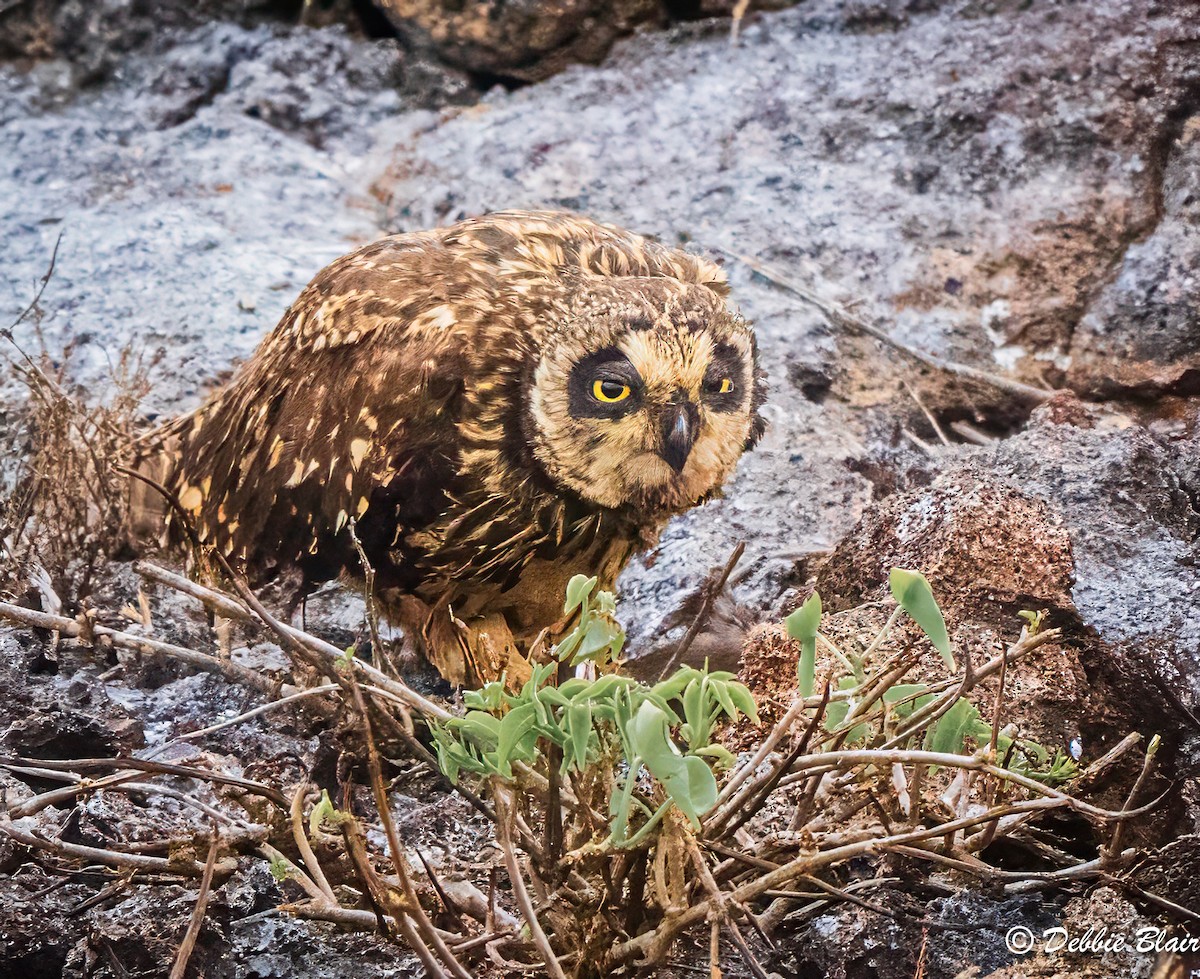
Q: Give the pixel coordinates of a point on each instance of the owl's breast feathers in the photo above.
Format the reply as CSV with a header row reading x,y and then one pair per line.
x,y
391,393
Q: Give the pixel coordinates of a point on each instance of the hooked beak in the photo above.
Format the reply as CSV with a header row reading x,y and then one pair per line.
x,y
680,426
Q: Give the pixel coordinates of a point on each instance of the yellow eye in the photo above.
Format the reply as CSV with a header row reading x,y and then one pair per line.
x,y
726,385
609,391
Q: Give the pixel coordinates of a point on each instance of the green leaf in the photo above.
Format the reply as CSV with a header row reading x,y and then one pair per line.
x,y
488,697
692,786
517,738
606,604
454,756
803,625
570,642
639,693
720,690
1034,620
743,700
719,753
604,687
901,692
952,728
687,780
695,712
675,684
573,687
478,725
579,728
912,591
601,634
578,589
553,695
619,802
323,811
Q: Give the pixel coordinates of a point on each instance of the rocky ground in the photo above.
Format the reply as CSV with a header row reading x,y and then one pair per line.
x,y
1010,186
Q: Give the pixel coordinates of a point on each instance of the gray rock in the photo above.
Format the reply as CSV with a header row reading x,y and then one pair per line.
x,y
97,36
1135,535
971,174
1143,331
194,195
1084,515
974,176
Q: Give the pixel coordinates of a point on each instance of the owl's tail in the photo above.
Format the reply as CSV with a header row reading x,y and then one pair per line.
x,y
153,464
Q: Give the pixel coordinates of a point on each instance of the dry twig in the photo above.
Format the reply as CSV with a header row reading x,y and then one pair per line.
x,y
179,969
839,316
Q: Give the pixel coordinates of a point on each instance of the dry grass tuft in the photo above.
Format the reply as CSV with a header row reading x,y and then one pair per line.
x,y
64,508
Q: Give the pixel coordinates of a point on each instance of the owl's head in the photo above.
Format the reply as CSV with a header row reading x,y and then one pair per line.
x,y
646,393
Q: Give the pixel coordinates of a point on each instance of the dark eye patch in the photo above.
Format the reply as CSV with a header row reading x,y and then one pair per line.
x,y
727,364
607,366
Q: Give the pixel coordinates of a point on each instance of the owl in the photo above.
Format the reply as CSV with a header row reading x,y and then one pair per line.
x,y
485,410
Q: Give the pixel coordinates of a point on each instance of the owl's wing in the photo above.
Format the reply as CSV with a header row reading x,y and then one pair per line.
x,y
348,410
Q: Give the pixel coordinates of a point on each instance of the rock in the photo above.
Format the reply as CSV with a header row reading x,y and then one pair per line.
x,y
1001,183
971,176
849,941
530,40
1170,873
1083,514
38,934
1093,923
215,172
60,718
987,548
144,931
526,40
96,36
1143,331
278,947
1134,530
721,627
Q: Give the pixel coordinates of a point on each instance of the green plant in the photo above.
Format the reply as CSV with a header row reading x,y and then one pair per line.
x,y
803,625
953,729
911,590
633,729
621,821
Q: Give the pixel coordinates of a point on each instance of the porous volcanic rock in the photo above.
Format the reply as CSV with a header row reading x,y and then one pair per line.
x,y
527,40
1085,514
1005,184
987,548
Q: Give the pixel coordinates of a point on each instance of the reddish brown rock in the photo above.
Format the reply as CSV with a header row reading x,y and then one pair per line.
x,y
527,40
986,548
530,40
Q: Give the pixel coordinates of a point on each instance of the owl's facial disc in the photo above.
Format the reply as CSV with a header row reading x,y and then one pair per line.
x,y
656,417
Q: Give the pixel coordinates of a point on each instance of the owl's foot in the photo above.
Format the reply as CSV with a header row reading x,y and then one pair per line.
x,y
476,651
